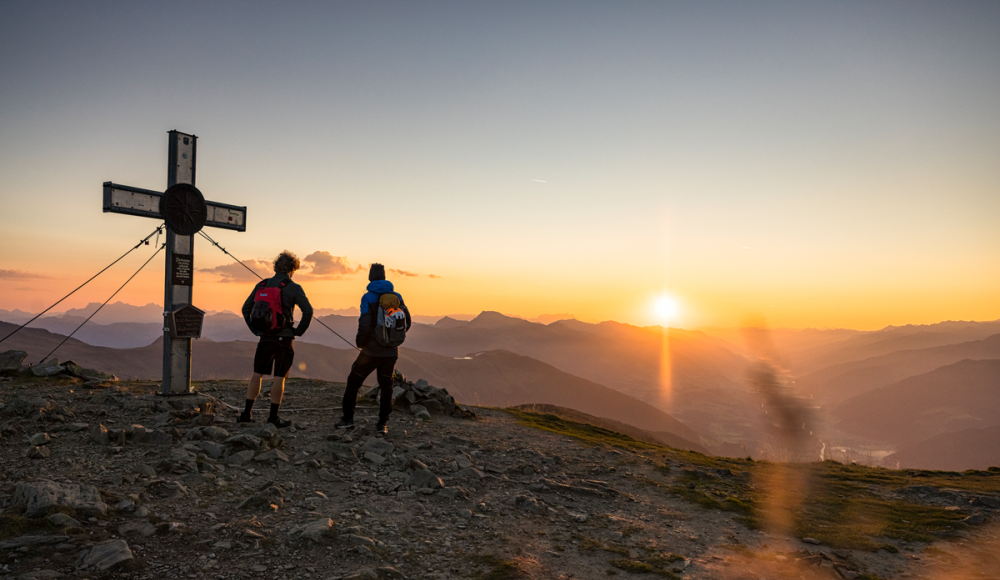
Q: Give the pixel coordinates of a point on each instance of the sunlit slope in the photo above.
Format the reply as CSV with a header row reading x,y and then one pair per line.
x,y
840,382
960,396
955,451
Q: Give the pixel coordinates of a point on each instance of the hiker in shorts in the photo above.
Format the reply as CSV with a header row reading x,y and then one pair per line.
x,y
376,355
275,328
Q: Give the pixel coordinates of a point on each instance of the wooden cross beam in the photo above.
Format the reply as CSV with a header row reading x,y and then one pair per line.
x,y
185,211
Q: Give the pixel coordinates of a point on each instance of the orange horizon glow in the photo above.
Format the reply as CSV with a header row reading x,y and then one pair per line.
x,y
598,301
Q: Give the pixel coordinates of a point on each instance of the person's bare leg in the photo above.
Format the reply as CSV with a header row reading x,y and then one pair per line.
x,y
253,387
277,389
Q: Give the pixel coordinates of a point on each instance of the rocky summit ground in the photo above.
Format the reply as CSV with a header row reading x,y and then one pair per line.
x,y
110,480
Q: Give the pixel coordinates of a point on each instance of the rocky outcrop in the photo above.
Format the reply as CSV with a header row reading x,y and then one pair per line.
x,y
40,497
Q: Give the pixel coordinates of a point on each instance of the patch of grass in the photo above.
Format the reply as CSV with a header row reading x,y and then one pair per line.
x,y
640,567
500,569
13,525
843,506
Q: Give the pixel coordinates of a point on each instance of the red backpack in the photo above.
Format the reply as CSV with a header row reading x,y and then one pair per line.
x,y
267,313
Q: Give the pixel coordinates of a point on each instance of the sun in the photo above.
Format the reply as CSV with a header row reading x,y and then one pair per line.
x,y
666,308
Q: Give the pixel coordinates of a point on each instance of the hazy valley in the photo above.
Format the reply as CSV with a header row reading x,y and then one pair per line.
x,y
912,393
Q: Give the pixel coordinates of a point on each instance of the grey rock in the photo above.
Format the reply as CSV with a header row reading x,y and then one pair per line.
x,y
41,496
245,440
454,493
424,478
374,458
75,427
62,520
377,446
240,457
215,433
99,434
421,385
125,505
415,409
422,415
326,475
989,501
41,575
37,452
167,490
530,505
316,530
388,573
156,437
31,541
265,432
974,520
433,406
140,527
212,449
10,361
341,451
143,469
107,555
47,369
464,460
267,496
812,541
272,455
39,439
470,473
356,539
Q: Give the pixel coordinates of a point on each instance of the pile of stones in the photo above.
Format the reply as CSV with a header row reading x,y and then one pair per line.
x,y
422,399
12,364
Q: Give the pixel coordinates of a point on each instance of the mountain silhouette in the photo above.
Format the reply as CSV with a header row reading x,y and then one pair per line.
x,y
840,382
956,397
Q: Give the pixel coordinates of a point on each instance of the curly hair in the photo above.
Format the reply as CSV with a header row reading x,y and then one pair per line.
x,y
286,263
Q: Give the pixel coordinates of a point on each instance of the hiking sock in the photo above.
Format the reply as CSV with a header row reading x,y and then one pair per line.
x,y
273,417
249,407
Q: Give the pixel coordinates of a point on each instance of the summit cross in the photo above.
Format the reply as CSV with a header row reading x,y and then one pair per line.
x,y
185,212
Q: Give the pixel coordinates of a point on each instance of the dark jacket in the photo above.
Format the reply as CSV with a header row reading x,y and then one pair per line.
x,y
366,322
292,295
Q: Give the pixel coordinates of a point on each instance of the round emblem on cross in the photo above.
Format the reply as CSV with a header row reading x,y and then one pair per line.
x,y
183,208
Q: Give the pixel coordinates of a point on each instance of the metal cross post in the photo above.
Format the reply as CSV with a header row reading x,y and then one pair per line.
x,y
185,211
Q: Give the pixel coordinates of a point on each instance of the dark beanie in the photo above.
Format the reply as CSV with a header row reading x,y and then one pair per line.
x,y
376,273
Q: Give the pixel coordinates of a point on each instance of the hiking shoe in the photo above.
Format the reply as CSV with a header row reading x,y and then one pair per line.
x,y
245,418
280,423
345,424
381,430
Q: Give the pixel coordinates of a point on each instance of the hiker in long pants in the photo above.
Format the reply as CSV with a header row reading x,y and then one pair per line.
x,y
268,313
381,329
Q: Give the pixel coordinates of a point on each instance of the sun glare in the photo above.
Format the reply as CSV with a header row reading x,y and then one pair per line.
x,y
665,308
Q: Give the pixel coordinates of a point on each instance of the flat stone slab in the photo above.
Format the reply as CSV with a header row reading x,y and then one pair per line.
x,y
107,555
41,496
31,541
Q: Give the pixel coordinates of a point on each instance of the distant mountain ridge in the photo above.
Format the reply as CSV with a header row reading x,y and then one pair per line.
x,y
840,382
956,397
492,378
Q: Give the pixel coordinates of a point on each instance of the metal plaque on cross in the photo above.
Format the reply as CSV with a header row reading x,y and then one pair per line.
x,y
185,211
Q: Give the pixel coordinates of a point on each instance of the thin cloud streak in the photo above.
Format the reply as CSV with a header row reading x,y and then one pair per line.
x,y
22,275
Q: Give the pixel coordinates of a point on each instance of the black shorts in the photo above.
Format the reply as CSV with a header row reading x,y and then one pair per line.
x,y
276,352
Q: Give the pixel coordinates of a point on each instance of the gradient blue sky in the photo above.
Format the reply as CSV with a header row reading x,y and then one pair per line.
x,y
811,163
